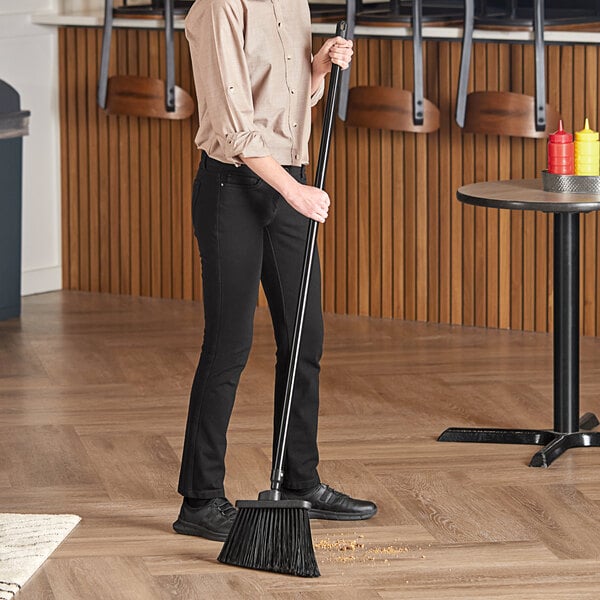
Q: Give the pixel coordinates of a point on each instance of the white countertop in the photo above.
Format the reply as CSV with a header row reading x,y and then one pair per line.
x,y
96,19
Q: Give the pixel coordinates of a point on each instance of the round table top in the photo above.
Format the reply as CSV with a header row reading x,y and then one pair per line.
x,y
525,194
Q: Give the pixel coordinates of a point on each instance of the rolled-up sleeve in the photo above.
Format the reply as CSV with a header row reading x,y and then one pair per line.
x,y
318,94
217,46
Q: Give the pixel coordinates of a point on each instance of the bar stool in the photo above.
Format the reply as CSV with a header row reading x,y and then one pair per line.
x,y
384,107
505,113
520,14
398,12
143,96
326,12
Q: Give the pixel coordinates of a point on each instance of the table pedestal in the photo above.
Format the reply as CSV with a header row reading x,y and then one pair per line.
x,y
568,426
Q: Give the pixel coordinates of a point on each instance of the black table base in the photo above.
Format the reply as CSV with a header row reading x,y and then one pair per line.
x,y
568,426
554,442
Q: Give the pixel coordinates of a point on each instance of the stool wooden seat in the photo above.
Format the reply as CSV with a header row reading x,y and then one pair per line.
x,y
506,113
383,107
326,12
143,96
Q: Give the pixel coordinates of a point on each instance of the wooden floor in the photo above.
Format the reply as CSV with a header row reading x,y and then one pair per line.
x,y
93,395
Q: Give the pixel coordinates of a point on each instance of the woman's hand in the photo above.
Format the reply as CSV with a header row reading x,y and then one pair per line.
x,y
335,51
309,201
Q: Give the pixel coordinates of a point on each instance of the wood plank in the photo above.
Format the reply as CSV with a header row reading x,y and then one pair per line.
x,y
83,225
446,199
410,202
340,200
374,175
589,223
456,178
398,196
65,180
92,112
125,150
104,151
352,202
73,154
363,179
425,174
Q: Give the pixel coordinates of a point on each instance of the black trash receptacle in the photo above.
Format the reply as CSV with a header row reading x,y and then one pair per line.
x,y
14,124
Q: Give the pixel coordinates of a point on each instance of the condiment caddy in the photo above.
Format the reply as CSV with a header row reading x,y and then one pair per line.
x,y
573,164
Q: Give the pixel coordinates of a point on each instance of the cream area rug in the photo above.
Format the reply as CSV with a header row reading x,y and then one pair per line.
x,y
26,541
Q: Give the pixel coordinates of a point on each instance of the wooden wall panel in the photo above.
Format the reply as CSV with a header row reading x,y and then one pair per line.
x,y
397,243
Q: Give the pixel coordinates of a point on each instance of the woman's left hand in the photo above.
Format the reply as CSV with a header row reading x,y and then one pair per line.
x,y
336,51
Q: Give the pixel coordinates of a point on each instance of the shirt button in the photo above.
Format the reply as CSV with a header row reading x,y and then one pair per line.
x,y
295,125
278,24
292,91
289,58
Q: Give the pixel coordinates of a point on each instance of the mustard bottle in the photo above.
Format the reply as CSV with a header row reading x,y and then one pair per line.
x,y
587,151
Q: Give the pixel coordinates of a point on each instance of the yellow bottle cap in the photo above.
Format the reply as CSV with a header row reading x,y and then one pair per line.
x,y
586,134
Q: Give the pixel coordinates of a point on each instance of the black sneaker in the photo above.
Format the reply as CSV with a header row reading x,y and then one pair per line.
x,y
327,503
211,521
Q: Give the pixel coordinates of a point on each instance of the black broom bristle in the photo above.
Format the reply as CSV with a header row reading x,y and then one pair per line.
x,y
272,535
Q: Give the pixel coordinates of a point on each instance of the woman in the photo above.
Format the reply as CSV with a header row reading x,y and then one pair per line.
x,y
255,82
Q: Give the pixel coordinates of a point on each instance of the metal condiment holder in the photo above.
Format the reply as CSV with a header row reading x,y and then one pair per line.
x,y
570,184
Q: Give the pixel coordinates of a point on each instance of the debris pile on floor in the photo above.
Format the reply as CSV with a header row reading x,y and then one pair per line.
x,y
347,550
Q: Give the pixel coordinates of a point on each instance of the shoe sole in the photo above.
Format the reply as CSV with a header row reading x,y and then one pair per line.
x,y
186,528
337,516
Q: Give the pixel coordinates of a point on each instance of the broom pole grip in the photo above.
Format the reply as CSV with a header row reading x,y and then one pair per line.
x,y
311,239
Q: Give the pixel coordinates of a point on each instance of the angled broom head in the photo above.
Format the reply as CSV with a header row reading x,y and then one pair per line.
x,y
272,535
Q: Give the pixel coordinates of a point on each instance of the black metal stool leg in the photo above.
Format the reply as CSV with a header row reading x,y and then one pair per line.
x,y
170,57
417,36
345,79
105,55
540,81
465,63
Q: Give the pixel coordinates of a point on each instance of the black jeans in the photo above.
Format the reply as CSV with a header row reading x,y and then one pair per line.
x,y
247,233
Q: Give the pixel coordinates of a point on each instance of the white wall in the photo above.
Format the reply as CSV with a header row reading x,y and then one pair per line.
x,y
29,62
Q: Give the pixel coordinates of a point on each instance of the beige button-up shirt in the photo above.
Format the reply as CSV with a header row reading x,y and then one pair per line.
x,y
252,71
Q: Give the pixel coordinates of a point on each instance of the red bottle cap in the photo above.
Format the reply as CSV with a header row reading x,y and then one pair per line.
x,y
561,136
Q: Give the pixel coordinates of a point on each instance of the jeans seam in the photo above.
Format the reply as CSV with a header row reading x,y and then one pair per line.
x,y
220,311
279,284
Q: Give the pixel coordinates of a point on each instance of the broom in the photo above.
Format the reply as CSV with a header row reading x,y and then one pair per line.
x,y
270,534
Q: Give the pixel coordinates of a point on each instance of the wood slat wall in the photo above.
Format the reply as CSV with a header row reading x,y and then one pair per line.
x,y
397,243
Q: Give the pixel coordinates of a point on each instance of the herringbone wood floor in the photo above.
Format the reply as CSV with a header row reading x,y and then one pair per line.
x,y
93,394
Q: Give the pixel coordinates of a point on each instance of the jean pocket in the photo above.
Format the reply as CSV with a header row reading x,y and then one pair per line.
x,y
241,180
195,193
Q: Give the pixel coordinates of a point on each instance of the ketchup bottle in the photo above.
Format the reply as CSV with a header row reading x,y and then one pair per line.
x,y
561,152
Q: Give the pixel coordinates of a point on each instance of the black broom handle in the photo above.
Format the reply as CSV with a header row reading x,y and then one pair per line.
x,y
311,239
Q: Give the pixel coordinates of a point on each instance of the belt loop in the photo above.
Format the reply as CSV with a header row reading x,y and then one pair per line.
x,y
303,172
